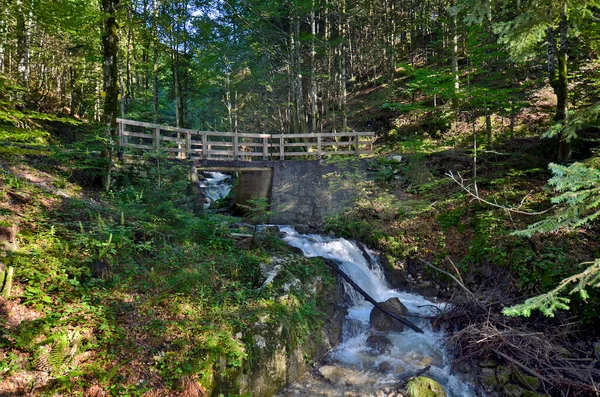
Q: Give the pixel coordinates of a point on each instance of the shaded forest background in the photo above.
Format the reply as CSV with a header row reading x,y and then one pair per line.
x,y
298,65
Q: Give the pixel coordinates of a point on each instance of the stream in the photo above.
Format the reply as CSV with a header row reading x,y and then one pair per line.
x,y
355,369
215,186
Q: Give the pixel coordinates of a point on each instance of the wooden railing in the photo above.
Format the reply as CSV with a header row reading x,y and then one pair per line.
x,y
209,145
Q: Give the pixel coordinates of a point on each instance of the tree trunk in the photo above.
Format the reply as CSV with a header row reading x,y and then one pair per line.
x,y
110,41
155,61
558,79
313,81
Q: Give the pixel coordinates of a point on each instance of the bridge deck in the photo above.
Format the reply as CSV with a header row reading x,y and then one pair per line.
x,y
227,146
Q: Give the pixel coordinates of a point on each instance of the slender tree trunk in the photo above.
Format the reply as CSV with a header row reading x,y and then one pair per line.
x,y
343,67
298,77
110,45
156,6
454,34
313,81
557,74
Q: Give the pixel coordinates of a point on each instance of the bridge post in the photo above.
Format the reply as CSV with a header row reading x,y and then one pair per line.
x,y
123,138
356,150
204,146
265,149
156,139
319,147
281,148
188,145
235,148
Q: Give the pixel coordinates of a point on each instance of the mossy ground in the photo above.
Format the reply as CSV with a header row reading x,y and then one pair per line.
x,y
133,291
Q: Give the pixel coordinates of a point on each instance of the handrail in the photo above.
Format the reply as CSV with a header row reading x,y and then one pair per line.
x,y
195,144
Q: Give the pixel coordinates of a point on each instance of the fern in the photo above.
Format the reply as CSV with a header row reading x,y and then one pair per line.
x,y
57,352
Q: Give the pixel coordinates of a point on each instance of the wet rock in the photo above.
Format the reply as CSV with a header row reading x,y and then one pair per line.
x,y
512,390
488,379
382,322
385,366
462,367
303,229
271,229
332,373
396,158
380,344
423,386
531,393
529,382
503,375
487,363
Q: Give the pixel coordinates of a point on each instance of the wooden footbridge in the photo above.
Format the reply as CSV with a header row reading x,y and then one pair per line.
x,y
191,144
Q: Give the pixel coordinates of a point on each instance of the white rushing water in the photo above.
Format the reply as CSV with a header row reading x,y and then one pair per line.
x,y
410,351
215,187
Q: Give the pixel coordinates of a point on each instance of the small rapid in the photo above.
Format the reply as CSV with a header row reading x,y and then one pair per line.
x,y
367,369
215,186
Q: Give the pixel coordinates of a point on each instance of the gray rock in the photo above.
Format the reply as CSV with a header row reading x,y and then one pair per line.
x,y
380,344
503,375
302,229
597,350
512,390
385,366
382,322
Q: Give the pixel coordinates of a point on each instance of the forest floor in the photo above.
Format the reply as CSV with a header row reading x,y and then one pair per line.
x,y
102,303
134,292
424,207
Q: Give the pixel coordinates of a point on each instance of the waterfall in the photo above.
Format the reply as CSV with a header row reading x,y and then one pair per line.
x,y
216,186
409,351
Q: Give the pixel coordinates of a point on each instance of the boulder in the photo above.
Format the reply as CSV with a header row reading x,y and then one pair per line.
x,y
382,322
380,344
527,381
423,386
512,390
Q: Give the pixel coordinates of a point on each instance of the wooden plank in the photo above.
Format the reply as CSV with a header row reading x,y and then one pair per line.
x,y
319,147
300,144
325,144
136,146
235,147
188,143
172,139
292,154
281,148
220,152
156,140
154,126
173,150
138,134
223,144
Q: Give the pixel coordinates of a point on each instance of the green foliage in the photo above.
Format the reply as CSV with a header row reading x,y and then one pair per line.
x,y
578,202
577,205
551,301
577,121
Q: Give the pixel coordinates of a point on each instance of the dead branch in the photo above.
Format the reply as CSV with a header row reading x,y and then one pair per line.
x,y
460,284
332,264
460,181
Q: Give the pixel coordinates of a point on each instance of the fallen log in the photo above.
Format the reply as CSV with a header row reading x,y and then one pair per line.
x,y
332,264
